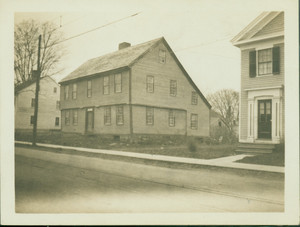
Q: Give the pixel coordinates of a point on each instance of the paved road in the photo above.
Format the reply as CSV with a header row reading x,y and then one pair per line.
x,y
59,183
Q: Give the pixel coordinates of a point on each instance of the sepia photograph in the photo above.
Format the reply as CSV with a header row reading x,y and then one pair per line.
x,y
150,112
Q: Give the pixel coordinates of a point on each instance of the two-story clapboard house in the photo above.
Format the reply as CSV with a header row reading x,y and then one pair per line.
x,y
137,90
48,108
262,81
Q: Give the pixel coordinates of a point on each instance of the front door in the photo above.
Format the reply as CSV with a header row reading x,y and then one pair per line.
x,y
264,119
89,120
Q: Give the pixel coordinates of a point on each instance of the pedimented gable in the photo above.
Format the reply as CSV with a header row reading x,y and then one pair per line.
x,y
275,25
266,25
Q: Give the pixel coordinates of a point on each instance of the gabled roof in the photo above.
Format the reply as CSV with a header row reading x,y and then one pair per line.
x,y
27,83
252,32
126,57
111,61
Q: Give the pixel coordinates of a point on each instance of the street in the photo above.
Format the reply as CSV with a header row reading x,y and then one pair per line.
x,y
59,183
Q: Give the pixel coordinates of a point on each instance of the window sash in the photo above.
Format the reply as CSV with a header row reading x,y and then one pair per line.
x,y
66,92
171,118
32,102
57,121
149,116
118,83
74,91
194,98
89,88
194,121
57,104
265,61
162,56
150,84
31,119
120,115
106,85
173,87
75,117
67,117
107,116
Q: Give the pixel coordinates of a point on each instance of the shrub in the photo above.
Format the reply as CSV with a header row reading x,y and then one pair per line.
x,y
192,145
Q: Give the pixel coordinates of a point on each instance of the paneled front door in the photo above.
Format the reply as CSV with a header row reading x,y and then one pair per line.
x,y
264,119
89,120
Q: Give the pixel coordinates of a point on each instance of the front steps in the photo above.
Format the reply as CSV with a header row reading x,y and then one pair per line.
x,y
255,148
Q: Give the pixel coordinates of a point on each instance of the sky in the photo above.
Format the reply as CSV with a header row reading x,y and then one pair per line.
x,y
198,31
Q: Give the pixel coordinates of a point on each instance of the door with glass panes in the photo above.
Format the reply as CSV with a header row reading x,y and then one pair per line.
x,y
264,119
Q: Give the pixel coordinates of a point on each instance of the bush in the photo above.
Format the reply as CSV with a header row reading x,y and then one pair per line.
x,y
223,135
192,145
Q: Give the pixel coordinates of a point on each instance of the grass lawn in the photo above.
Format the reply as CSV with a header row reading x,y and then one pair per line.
x,y
274,159
188,149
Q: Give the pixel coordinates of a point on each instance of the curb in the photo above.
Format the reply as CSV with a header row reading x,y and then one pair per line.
x,y
170,159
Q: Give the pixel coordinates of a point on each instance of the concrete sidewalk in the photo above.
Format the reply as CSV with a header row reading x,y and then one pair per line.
x,y
226,162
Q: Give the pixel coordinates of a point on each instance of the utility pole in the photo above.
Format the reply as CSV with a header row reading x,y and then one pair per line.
x,y
37,89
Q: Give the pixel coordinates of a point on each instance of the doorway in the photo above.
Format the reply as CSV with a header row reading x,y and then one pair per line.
x,y
264,119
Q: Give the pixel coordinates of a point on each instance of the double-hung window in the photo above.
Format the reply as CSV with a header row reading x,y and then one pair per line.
x,y
264,62
171,118
89,88
149,116
118,83
75,117
32,102
162,56
67,117
194,98
57,121
150,84
106,85
74,91
119,115
107,115
66,92
194,121
173,87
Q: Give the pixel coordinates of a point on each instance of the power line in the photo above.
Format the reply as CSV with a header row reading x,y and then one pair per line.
x,y
94,29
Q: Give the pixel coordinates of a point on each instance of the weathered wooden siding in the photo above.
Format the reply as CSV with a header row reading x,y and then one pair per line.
x,y
256,82
161,121
276,25
98,98
163,73
47,111
99,126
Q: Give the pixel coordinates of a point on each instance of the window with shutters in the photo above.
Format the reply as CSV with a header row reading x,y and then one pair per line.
x,y
194,121
107,115
118,83
120,115
89,88
75,117
171,118
150,84
106,85
173,87
264,62
74,91
149,116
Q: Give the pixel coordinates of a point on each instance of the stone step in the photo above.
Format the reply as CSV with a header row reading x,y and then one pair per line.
x,y
261,151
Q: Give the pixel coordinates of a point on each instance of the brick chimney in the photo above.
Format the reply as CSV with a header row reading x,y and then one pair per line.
x,y
124,45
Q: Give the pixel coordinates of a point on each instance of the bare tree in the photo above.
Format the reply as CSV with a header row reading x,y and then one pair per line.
x,y
26,48
226,103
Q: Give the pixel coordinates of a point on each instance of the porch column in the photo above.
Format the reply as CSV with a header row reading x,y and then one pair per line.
x,y
250,129
276,119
